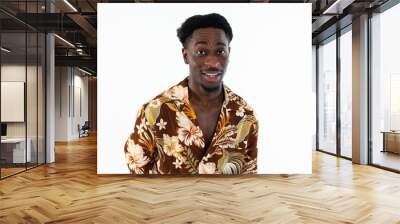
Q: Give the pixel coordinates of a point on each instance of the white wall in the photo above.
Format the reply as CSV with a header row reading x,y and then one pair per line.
x,y
62,81
70,83
80,118
264,56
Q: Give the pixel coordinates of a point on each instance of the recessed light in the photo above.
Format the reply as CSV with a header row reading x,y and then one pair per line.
x,y
64,40
70,5
84,71
5,49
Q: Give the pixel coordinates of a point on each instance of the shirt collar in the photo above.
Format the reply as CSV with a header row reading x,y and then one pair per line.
x,y
185,83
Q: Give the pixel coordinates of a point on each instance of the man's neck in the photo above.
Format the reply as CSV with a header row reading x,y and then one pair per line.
x,y
199,95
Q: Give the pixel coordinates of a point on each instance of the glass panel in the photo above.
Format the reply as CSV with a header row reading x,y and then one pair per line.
x,y
22,88
31,100
314,92
346,94
386,89
32,91
41,99
327,96
13,87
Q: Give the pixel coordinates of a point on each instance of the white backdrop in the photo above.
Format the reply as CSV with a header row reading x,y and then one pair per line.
x,y
139,56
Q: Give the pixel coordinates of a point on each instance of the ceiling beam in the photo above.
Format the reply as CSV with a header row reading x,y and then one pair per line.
x,y
85,61
337,6
86,26
317,25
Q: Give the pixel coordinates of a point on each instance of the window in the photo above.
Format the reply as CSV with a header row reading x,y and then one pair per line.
x,y
346,93
327,96
385,89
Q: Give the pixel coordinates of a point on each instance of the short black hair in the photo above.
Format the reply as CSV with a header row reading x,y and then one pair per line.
x,y
195,22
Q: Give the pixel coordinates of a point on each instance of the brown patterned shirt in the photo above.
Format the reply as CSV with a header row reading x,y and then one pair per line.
x,y
167,139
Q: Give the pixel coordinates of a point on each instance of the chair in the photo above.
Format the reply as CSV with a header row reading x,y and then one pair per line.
x,y
84,130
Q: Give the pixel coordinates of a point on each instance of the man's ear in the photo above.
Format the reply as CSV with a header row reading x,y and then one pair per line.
x,y
229,49
185,55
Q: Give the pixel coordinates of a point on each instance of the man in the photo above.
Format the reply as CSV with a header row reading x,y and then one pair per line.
x,y
198,126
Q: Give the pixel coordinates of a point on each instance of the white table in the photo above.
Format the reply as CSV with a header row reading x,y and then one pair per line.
x,y
18,145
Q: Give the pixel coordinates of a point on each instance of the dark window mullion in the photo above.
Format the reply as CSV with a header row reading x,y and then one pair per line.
x,y
369,90
37,90
26,86
317,95
338,98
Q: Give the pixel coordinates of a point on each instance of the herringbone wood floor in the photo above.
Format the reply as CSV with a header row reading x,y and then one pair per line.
x,y
70,191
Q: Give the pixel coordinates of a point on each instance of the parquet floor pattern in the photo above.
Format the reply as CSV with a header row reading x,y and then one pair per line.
x,y
70,191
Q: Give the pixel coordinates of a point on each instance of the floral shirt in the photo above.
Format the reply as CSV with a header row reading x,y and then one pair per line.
x,y
167,139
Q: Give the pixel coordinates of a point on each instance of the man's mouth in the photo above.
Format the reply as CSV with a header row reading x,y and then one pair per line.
x,y
212,76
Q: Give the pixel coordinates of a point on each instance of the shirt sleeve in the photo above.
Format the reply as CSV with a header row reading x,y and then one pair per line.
x,y
251,150
140,146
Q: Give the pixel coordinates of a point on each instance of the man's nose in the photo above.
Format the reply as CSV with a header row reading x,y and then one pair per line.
x,y
213,61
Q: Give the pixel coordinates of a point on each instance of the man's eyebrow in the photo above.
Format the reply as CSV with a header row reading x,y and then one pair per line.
x,y
205,42
200,42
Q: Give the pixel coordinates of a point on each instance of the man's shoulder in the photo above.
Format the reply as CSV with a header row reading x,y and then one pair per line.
x,y
176,94
236,100
170,100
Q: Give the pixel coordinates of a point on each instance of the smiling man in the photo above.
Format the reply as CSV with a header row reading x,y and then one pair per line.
x,y
198,126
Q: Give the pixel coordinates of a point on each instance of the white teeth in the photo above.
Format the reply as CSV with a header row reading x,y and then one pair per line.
x,y
211,74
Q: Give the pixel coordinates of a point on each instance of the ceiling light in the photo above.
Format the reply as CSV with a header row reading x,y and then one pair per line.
x,y
64,40
5,50
338,6
84,71
70,5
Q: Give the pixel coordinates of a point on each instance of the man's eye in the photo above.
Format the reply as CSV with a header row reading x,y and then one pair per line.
x,y
221,52
201,52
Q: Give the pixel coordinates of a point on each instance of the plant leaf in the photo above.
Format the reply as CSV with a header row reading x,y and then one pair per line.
x,y
244,128
152,113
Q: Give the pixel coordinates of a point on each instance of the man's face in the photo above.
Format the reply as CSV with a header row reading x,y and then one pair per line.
x,y
207,53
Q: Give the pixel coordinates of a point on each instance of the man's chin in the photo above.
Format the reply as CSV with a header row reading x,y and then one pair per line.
x,y
211,87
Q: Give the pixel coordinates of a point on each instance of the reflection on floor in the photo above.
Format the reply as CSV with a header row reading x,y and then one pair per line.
x,y
346,152
11,169
386,159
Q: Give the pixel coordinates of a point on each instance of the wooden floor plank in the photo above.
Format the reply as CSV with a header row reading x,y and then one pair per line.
x,y
70,191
